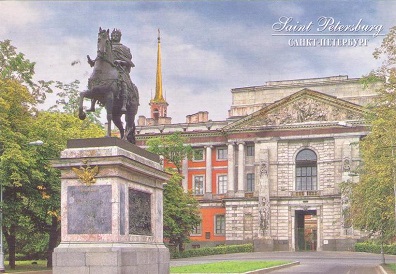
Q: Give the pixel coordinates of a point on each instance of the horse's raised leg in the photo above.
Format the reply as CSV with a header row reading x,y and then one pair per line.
x,y
81,114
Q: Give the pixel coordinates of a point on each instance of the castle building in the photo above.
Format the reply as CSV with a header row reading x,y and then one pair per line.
x,y
271,172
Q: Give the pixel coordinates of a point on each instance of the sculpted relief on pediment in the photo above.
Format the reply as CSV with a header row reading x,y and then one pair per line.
x,y
303,110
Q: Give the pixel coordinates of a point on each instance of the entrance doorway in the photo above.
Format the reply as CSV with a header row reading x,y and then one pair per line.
x,y
306,230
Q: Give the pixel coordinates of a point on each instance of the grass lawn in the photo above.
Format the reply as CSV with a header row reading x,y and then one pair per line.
x,y
392,267
226,267
22,266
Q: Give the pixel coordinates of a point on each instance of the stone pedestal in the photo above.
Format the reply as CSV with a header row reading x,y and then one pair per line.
x,y
111,208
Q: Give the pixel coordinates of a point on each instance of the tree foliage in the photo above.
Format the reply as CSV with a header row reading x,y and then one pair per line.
x,y
181,210
373,198
31,187
172,147
14,66
68,101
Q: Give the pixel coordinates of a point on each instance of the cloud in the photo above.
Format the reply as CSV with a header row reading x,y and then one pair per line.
x,y
16,15
208,47
286,8
385,14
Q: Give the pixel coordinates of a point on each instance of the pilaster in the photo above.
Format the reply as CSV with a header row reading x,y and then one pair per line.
x,y
208,177
241,170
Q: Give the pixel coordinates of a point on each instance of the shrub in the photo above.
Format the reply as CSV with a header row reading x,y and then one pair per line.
x,y
371,247
205,251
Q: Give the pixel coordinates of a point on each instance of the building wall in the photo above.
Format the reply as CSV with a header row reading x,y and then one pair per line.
x,y
243,212
208,229
267,215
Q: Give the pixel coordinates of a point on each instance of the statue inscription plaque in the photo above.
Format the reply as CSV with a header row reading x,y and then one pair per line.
x,y
139,212
89,209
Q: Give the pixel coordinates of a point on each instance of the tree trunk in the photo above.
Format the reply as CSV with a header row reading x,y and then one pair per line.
x,y
382,253
11,242
53,240
181,246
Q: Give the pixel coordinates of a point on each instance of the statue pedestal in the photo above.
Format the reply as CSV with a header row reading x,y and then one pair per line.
x,y
111,208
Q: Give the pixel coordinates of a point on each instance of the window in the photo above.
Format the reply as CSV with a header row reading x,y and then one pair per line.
x,y
198,154
306,170
197,230
250,182
220,224
198,185
221,184
222,153
250,150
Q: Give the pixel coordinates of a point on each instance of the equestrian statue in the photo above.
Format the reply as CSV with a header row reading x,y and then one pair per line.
x,y
111,85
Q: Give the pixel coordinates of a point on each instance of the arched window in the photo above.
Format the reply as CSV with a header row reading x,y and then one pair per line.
x,y
306,170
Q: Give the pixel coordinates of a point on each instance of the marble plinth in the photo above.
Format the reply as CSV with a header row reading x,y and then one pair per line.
x,y
111,209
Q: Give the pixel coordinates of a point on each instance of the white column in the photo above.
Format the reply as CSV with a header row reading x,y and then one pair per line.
x,y
241,169
208,177
185,174
231,170
319,240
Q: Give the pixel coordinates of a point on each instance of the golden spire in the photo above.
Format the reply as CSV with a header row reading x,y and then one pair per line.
x,y
158,88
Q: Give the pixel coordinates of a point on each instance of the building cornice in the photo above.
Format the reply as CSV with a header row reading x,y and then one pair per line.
x,y
305,83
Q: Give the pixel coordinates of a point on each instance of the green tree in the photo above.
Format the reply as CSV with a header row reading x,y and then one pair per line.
x,y
19,95
181,209
373,198
68,101
16,116
30,186
181,212
172,147
14,66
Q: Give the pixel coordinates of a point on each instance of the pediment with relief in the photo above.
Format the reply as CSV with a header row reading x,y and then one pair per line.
x,y
301,107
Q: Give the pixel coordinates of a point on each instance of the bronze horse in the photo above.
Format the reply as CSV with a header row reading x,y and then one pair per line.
x,y
104,86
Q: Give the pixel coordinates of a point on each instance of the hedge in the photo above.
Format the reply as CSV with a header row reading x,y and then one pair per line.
x,y
375,248
205,251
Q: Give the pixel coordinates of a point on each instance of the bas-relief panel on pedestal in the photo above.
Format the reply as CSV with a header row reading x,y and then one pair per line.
x,y
139,212
89,209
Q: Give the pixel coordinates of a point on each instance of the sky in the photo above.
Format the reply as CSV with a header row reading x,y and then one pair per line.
x,y
208,47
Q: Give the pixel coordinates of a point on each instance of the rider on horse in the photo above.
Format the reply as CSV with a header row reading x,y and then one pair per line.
x,y
123,62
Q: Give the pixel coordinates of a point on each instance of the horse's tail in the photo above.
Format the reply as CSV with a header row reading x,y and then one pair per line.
x,y
136,92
